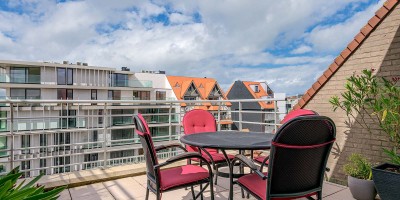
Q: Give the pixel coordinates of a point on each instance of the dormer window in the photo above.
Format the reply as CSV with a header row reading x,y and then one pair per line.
x,y
201,85
177,85
215,94
256,89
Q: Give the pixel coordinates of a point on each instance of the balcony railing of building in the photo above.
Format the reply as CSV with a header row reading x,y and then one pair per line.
x,y
56,136
20,78
132,83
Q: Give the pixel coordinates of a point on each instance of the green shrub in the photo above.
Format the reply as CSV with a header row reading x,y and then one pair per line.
x,y
10,191
358,167
372,101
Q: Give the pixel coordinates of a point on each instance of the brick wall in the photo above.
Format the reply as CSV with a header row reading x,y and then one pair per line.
x,y
380,51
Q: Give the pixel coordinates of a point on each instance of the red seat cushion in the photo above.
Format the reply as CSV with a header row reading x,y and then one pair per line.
x,y
260,159
182,175
217,157
256,185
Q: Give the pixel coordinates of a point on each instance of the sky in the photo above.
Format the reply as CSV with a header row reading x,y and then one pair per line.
x,y
287,43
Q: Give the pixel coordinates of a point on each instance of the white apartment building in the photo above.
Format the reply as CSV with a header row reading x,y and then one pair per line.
x,y
75,135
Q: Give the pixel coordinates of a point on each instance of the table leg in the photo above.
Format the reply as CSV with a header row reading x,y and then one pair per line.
x,y
241,171
230,175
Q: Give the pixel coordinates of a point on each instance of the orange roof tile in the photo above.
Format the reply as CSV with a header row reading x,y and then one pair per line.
x,y
258,95
348,51
203,85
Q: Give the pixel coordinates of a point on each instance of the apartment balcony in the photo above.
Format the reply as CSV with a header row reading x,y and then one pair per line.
x,y
132,83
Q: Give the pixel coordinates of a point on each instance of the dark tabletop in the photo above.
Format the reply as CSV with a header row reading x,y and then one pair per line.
x,y
234,140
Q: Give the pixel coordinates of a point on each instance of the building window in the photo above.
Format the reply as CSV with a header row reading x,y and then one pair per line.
x,y
100,117
65,76
70,76
114,95
42,164
64,162
25,142
162,133
91,157
3,120
65,94
25,165
95,136
61,139
161,95
90,160
25,74
256,89
93,95
3,145
120,80
119,118
22,93
68,118
142,95
121,134
43,142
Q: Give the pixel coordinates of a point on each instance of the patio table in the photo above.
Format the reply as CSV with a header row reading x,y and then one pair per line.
x,y
229,140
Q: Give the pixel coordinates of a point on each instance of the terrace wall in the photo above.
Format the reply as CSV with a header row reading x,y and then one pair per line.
x,y
381,52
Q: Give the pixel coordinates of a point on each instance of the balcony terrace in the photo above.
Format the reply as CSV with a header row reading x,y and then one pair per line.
x,y
96,143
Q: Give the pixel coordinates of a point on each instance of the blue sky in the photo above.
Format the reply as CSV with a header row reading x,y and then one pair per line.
x,y
287,43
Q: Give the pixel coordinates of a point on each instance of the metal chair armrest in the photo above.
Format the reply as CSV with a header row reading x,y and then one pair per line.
x,y
183,156
167,146
249,163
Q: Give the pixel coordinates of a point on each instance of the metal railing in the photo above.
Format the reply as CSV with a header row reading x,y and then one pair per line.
x,y
19,78
57,136
133,83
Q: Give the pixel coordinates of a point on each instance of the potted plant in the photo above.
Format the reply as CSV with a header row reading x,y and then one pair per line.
x,y
372,101
359,174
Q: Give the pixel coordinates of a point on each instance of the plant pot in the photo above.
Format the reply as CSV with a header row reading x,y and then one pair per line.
x,y
387,183
361,189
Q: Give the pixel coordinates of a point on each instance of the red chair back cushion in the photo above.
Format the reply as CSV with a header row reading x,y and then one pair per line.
x,y
197,121
296,113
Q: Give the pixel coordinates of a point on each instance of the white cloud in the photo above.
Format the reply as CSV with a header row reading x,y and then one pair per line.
x,y
177,18
301,49
229,39
335,37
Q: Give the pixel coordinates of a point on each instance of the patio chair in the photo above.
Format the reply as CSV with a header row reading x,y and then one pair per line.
x,y
299,153
197,121
162,180
264,160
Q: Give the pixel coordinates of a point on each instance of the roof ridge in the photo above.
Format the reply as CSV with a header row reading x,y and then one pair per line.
x,y
338,62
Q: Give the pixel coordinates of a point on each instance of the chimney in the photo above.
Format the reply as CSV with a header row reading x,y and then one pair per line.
x,y
78,63
65,62
84,64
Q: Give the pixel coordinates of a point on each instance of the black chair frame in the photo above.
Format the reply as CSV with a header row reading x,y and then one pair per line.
x,y
153,168
255,168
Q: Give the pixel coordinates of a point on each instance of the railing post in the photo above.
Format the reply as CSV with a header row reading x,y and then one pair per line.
x,y
275,117
105,134
12,134
240,115
170,122
219,115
